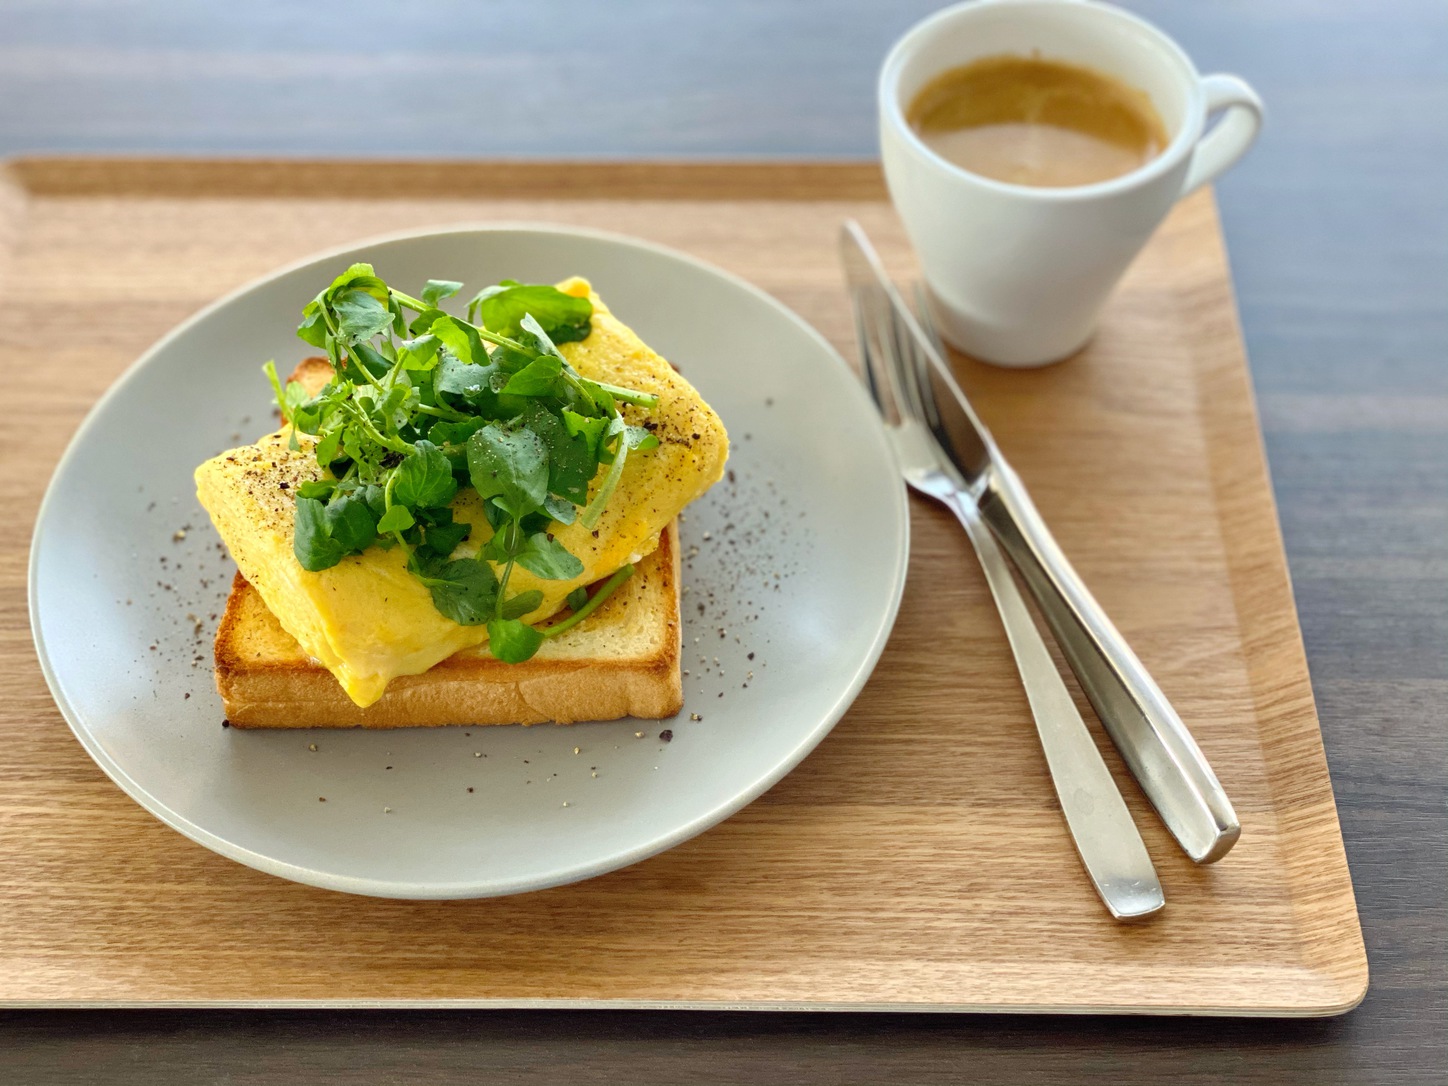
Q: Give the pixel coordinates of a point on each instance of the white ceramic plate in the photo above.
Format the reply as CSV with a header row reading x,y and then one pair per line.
x,y
801,562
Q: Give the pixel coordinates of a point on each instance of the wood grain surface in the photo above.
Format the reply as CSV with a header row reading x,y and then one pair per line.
x,y
917,859
1336,226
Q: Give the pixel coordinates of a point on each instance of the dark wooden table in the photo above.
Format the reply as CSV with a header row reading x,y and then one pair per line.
x,y
1338,229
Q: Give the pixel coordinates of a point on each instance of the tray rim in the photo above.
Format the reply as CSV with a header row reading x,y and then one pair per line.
x,y
1293,1013
785,178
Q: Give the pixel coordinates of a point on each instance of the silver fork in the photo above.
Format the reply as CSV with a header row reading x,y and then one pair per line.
x,y
1101,826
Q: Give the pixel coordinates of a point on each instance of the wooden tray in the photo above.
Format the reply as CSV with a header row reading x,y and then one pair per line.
x,y
917,859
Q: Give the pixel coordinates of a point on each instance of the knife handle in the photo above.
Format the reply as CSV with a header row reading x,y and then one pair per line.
x,y
1152,739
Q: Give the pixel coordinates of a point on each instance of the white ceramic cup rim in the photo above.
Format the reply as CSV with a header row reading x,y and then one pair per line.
x,y
1181,145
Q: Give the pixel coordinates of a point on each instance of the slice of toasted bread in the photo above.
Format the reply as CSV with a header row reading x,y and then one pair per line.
x,y
622,660
366,618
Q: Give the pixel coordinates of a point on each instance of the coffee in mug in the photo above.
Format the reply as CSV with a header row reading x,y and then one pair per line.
x,y
1034,121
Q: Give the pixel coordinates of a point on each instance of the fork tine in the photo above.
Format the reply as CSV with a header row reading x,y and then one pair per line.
x,y
876,349
925,385
923,315
908,362
869,364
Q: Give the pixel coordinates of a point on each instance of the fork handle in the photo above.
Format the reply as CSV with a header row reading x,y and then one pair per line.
x,y
1107,839
1152,739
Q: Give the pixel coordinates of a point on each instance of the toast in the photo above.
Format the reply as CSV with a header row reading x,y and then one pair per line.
x,y
368,615
623,660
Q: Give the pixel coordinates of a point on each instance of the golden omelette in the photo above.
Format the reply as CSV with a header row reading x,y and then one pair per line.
x,y
367,619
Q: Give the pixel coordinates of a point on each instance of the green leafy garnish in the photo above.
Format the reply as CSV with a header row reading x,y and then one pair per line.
x,y
351,522
509,466
424,403
504,307
512,641
519,605
465,590
396,519
545,557
425,479
312,543
435,290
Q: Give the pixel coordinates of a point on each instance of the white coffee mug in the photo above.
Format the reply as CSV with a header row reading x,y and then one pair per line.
x,y
1017,275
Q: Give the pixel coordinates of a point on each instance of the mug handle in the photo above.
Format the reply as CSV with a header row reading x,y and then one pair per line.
x,y
1219,150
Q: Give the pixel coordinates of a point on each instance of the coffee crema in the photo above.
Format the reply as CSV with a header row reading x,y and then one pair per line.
x,y
1030,121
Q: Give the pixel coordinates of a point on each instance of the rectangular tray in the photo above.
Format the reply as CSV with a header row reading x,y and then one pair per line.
x,y
917,860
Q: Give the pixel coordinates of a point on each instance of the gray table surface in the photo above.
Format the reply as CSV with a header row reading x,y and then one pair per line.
x,y
1338,229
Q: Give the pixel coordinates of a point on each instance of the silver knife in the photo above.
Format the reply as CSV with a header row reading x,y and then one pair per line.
x,y
1156,745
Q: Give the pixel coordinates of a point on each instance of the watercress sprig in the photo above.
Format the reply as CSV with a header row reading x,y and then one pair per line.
x,y
424,403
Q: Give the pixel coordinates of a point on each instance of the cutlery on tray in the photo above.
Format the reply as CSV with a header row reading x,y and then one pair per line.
x,y
948,454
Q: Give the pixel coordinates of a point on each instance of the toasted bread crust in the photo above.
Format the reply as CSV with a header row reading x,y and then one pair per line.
x,y
313,374
267,691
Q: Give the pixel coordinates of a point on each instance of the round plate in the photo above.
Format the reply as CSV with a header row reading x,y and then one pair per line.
x,y
800,563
